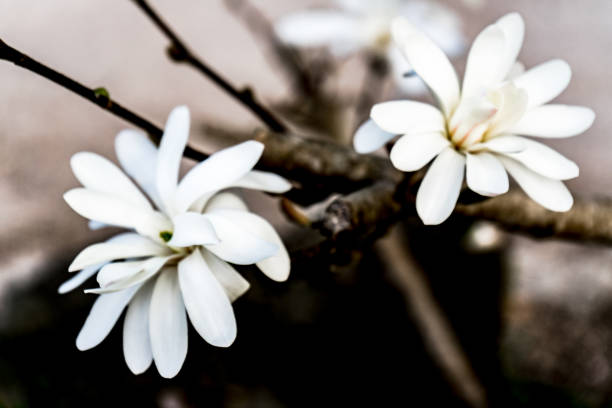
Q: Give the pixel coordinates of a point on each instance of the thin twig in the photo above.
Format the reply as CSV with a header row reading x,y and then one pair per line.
x,y
437,332
283,55
98,96
179,52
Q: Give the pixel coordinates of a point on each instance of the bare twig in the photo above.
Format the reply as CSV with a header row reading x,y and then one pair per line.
x,y
179,52
434,327
98,96
284,56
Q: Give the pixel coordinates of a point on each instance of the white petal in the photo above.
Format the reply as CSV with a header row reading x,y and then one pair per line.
x,y
438,22
545,161
136,340
411,152
138,157
115,271
169,156
555,121
501,144
485,174
407,117
208,307
263,181
544,82
237,244
233,283
226,201
485,62
549,193
96,225
320,28
102,317
429,62
219,171
440,188
513,27
168,324
79,278
411,84
97,173
112,210
137,275
275,267
131,247
191,228
516,71
369,137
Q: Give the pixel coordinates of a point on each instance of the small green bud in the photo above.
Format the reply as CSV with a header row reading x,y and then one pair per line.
x,y
165,235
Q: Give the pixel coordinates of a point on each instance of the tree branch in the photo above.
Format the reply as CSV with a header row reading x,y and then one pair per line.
x,y
283,55
97,96
179,52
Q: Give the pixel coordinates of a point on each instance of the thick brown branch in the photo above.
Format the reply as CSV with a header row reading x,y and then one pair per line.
x,y
589,220
179,52
98,96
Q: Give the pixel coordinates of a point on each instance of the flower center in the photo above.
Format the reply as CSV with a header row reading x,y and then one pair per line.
x,y
480,117
165,235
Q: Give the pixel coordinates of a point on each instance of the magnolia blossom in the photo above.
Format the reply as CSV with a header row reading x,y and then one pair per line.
x,y
366,25
475,130
177,256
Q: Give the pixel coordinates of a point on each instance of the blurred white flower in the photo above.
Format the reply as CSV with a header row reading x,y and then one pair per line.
x,y
475,130
176,258
366,25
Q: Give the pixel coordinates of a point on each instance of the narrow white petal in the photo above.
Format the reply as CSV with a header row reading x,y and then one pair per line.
x,y
191,228
102,317
96,225
263,181
219,171
321,28
168,324
208,307
97,173
545,161
136,340
131,247
233,283
408,84
226,201
411,152
555,121
549,193
237,244
544,82
513,27
516,71
485,174
440,188
112,210
116,271
370,137
485,62
169,156
407,117
138,157
275,267
139,274
429,62
501,144
79,278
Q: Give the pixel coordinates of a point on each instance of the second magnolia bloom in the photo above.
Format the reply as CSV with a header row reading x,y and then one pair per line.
x,y
177,259
476,128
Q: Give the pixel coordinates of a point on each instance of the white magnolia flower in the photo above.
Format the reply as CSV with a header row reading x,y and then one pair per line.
x,y
176,258
475,130
366,25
